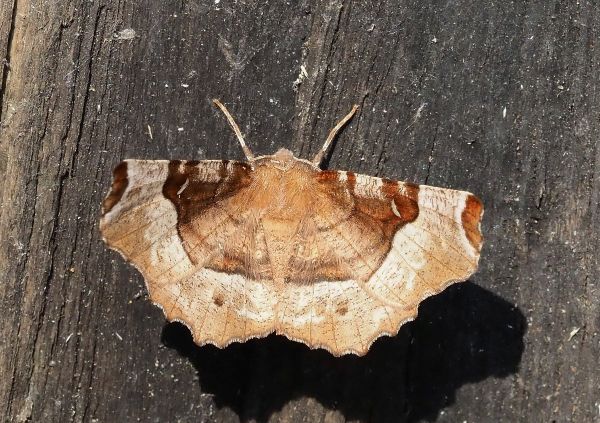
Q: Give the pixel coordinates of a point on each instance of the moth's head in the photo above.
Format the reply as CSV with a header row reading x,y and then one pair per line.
x,y
283,159
283,155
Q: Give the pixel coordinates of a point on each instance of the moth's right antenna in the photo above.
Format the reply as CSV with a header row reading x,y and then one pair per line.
x,y
319,157
235,128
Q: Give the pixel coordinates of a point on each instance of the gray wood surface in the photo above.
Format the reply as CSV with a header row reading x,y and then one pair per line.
x,y
497,97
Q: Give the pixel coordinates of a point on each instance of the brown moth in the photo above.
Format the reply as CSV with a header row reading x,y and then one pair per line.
x,y
238,250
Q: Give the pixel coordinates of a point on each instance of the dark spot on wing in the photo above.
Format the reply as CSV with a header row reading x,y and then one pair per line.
x,y
342,310
218,300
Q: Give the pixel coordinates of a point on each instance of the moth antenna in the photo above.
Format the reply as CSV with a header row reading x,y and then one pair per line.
x,y
235,128
319,157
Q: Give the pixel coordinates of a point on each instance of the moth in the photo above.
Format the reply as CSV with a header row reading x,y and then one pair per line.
x,y
241,249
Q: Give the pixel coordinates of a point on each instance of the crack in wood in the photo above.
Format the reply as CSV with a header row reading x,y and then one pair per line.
x,y
8,57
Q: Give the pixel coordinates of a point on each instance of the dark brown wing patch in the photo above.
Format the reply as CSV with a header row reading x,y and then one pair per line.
x,y
193,189
119,185
471,217
367,214
191,193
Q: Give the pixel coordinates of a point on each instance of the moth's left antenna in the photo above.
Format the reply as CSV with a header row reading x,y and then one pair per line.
x,y
235,128
319,157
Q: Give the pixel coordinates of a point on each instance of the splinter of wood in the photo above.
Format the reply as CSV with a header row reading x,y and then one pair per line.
x,y
319,157
236,129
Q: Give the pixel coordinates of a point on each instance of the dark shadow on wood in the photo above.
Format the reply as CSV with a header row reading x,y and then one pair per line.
x,y
464,335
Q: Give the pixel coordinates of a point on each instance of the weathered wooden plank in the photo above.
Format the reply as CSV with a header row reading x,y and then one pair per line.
x,y
501,100
45,116
6,29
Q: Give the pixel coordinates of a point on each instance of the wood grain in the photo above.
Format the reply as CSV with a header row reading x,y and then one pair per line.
x,y
501,100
